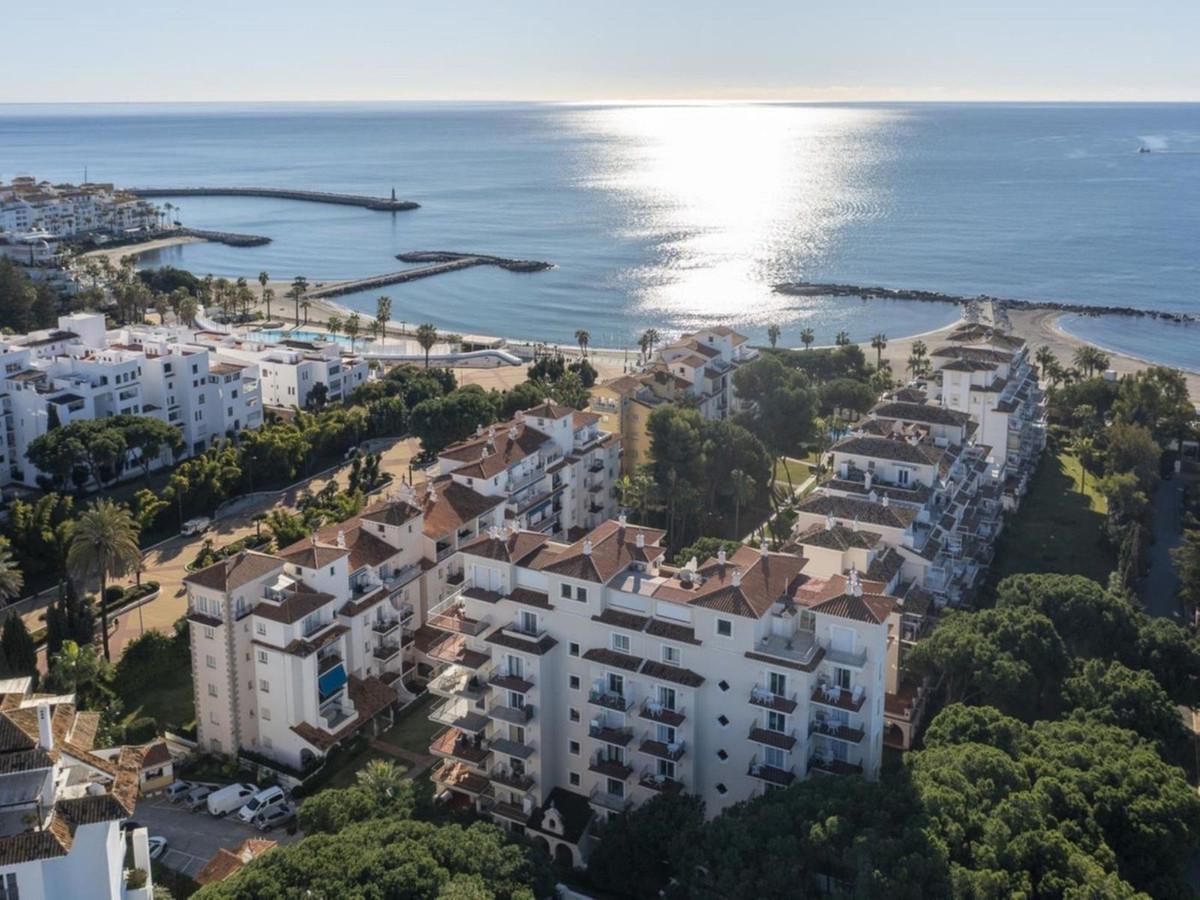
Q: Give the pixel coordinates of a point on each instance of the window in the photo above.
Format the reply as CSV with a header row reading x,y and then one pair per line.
x,y
573,649
573,714
725,627
723,720
573,682
210,661
777,682
666,697
722,755
529,622
616,684
573,778
666,768
581,594
776,721
262,656
902,476
264,685
841,678
616,787
209,632
721,789
665,734
723,685
620,642
671,655
266,714
573,747
212,690
774,757
212,717
566,591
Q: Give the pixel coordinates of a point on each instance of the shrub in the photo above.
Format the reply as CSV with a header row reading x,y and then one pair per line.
x,y
141,730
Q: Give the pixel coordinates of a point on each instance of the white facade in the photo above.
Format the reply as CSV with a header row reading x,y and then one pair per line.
x,y
67,210
593,677
289,370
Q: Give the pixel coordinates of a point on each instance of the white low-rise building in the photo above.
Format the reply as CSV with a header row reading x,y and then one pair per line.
x,y
289,370
69,210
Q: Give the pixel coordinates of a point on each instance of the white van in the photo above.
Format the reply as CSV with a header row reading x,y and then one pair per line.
x,y
198,525
227,799
261,802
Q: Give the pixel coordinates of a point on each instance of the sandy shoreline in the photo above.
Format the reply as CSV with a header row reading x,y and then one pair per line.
x,y
1037,326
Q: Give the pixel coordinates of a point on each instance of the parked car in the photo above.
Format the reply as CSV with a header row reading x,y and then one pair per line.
x,y
197,797
276,816
261,802
158,846
229,798
199,525
177,790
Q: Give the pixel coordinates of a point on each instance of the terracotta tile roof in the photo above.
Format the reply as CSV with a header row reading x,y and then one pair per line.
x,y
226,862
675,674
764,579
234,571
512,548
672,631
839,537
613,658
155,754
621,619
25,761
921,412
309,555
548,410
453,506
613,547
297,603
899,450
885,566
853,509
390,512
490,453
365,548
582,419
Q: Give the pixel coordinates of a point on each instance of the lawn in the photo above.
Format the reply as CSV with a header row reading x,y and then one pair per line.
x,y
1058,528
169,701
413,731
347,767
798,469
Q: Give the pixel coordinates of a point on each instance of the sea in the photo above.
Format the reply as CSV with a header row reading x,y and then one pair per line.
x,y
676,216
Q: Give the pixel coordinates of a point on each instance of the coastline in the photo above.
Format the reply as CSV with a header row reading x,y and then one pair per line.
x,y
1038,326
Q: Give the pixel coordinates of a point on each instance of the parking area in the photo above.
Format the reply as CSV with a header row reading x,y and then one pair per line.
x,y
194,837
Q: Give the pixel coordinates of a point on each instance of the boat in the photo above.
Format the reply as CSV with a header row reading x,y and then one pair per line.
x,y
1144,150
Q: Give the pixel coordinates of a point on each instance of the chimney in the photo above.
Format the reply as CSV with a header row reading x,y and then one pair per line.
x,y
621,520
587,546
640,539
854,588
512,433
763,548
45,727
721,557
885,501
829,523
870,476
341,539
737,578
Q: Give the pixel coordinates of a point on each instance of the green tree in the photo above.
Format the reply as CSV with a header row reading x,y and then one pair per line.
x,y
427,336
879,344
582,338
773,333
103,546
18,653
1132,448
1088,359
807,337
75,668
383,315
11,578
1105,691
569,391
1186,558
640,852
298,290
1092,621
353,326
842,339
441,421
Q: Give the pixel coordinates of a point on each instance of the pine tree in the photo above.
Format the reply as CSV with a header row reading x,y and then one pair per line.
x,y
20,653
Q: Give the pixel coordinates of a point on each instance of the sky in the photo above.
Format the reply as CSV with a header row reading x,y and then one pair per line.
x,y
378,50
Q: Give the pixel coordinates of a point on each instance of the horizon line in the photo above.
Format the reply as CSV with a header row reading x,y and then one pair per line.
x,y
662,101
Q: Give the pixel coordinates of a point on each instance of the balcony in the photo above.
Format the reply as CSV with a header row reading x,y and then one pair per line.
x,y
327,662
385,627
506,777
515,715
386,651
839,698
771,774
596,466
783,740
610,766
762,696
522,684
451,615
456,681
660,750
509,747
836,731
617,803
610,700
455,744
854,659
801,647
660,784
459,714
656,712
610,734
829,766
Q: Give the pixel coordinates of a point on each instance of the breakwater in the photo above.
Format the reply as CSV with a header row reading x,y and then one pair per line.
x,y
819,289
377,203
228,238
439,261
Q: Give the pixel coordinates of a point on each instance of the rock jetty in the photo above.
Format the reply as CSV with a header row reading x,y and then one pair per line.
x,y
819,289
378,203
438,261
476,259
225,237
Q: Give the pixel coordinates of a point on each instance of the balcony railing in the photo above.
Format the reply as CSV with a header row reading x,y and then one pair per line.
x,y
517,715
451,615
509,747
771,774
659,783
784,740
385,651
611,802
855,659
522,684
517,781
660,750
830,766
610,766
836,731
827,695
385,627
611,700
471,749
762,696
656,712
610,734
455,681
459,714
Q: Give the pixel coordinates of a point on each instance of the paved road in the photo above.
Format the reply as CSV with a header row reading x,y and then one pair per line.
x,y
167,563
1160,586
193,838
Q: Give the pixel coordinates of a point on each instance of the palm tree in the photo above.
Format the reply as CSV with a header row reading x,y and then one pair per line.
x,y
650,336
380,778
306,305
188,307
807,337
104,545
1046,361
842,339
427,336
1085,449
879,344
773,332
299,288
268,295
743,492
383,314
1089,359
263,278
334,325
582,338
353,324
11,579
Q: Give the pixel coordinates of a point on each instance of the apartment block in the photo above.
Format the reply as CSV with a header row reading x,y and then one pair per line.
x,y
64,801
68,210
290,369
591,676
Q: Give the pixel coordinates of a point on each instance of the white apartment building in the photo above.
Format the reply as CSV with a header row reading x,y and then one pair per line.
x,y
553,466
60,825
68,210
293,652
290,369
591,677
80,370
